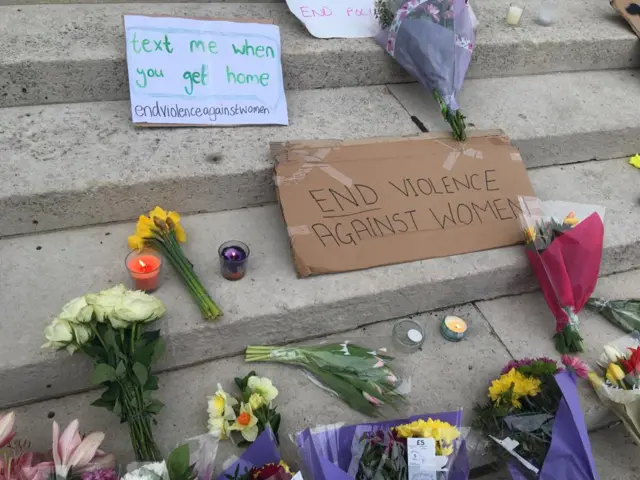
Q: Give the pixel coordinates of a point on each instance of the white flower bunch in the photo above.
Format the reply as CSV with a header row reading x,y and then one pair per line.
x,y
149,471
75,325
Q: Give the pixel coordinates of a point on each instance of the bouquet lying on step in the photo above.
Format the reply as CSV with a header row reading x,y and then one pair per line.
x,y
624,314
261,461
433,41
619,386
564,250
361,376
429,445
109,327
535,421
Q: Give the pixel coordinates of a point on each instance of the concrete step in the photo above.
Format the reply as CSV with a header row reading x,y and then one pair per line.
x,y
75,53
81,164
41,272
443,375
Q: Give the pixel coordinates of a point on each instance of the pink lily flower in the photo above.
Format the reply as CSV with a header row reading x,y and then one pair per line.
x,y
6,428
28,471
71,450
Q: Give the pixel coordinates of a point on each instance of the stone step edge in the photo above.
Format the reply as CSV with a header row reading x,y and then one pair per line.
x,y
308,63
271,305
54,181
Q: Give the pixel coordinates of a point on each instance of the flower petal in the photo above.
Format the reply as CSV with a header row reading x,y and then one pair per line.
x,y
68,441
158,213
55,440
181,235
86,450
250,434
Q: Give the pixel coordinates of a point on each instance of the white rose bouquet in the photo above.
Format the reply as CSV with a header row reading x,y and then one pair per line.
x,y
109,328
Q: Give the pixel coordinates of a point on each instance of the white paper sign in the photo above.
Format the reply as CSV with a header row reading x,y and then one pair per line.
x,y
422,460
204,72
336,18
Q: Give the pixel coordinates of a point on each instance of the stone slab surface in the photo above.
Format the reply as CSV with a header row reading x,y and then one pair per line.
x,y
444,376
39,273
559,118
81,164
532,328
75,53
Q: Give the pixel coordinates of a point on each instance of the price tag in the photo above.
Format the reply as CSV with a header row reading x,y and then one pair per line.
x,y
421,458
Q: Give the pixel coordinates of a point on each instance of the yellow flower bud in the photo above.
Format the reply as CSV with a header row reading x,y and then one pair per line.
x,y
614,373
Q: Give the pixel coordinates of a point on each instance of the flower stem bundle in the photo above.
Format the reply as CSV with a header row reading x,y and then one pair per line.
x,y
163,232
624,314
108,328
360,376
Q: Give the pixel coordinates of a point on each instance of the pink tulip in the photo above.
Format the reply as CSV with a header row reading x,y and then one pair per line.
x,y
6,428
70,450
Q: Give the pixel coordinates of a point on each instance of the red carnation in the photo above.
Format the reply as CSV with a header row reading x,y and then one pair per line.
x,y
632,364
270,471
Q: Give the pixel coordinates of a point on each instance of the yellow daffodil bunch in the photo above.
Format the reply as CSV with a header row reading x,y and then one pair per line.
x,y
249,414
511,387
162,231
442,432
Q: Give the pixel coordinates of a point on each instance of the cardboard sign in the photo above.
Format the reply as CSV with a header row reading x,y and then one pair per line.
x,y
350,205
336,18
630,10
185,71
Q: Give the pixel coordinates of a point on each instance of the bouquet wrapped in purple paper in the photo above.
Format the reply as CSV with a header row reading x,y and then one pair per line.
x,y
535,421
261,461
389,450
433,41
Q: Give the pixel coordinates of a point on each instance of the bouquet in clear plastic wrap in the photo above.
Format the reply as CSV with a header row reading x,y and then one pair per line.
x,y
385,450
535,420
360,375
624,314
433,41
564,249
619,386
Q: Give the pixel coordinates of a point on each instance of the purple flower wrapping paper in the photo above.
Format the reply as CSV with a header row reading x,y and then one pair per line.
x,y
569,455
433,41
327,454
264,450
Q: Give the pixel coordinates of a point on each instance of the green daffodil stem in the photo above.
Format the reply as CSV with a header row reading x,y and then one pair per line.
x,y
173,252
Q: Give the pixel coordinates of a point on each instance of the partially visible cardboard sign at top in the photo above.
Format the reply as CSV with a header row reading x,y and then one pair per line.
x,y
630,10
350,205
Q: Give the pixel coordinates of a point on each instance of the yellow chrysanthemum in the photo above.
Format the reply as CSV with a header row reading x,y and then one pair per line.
x,y
158,212
512,386
442,432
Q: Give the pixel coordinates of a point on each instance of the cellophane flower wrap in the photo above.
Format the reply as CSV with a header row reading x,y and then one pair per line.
x,y
618,383
563,243
378,450
535,403
433,41
361,375
623,313
260,461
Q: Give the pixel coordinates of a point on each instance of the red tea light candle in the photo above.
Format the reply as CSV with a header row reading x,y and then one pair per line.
x,y
144,268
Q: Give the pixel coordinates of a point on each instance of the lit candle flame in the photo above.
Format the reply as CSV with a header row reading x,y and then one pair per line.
x,y
142,264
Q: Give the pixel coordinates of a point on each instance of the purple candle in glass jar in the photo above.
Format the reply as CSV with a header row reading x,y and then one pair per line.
x,y
233,259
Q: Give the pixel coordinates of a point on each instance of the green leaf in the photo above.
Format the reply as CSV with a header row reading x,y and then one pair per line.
x,y
103,373
151,335
152,383
100,402
178,462
112,393
158,349
239,383
96,352
155,406
140,371
121,369
110,340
